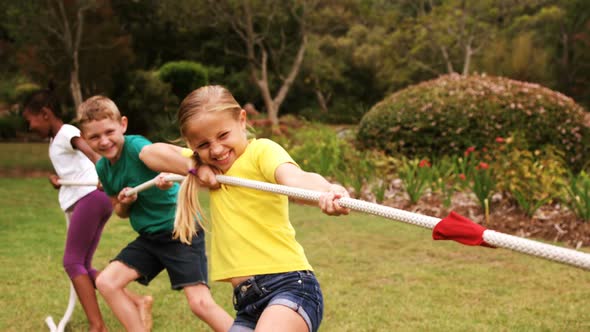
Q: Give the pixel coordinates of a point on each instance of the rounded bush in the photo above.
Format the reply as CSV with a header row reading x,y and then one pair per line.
x,y
150,106
449,114
184,76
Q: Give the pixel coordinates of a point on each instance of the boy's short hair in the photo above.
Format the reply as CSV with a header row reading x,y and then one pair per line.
x,y
97,108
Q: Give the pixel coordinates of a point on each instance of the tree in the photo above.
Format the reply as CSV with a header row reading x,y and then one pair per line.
x,y
264,28
57,36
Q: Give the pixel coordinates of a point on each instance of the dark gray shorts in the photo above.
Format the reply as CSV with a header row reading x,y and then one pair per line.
x,y
149,254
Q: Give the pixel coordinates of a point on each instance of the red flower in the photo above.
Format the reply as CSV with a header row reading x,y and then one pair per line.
x,y
469,150
500,140
462,177
483,165
424,163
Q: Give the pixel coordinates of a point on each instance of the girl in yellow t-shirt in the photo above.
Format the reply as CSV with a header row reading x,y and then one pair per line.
x,y
253,243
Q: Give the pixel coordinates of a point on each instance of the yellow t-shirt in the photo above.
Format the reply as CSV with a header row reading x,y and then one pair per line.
x,y
251,233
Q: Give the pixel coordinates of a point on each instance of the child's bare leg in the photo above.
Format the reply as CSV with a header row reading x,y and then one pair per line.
x,y
111,283
203,306
144,305
87,296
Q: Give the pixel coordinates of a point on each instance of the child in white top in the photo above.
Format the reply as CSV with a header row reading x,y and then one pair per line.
x,y
87,208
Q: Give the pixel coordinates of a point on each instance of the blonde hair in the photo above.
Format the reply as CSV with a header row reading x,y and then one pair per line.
x,y
211,98
97,108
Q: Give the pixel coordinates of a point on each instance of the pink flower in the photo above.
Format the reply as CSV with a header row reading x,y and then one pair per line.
x,y
483,165
424,163
462,177
500,140
469,150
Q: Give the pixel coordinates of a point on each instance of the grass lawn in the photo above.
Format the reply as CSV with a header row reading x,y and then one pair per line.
x,y
376,275
25,157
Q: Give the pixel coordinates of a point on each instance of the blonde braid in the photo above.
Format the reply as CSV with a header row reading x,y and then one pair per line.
x,y
188,208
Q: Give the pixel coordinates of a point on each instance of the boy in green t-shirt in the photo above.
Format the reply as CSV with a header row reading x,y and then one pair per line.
x,y
151,214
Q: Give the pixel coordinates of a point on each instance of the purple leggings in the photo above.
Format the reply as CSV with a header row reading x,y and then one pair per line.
x,y
87,220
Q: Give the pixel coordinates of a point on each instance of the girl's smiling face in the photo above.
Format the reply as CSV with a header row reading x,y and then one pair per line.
x,y
218,137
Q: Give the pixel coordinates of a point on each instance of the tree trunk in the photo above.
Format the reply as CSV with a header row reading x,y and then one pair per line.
x,y
467,61
75,88
259,66
321,100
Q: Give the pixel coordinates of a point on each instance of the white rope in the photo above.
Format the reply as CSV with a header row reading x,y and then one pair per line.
x,y
65,182
547,251
152,182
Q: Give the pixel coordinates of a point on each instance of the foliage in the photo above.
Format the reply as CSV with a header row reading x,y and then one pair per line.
x,y
449,114
416,176
578,195
150,106
533,178
48,49
13,88
11,124
443,179
318,148
479,177
519,57
184,76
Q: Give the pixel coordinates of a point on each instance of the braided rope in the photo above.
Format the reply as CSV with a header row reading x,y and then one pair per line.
x,y
547,251
152,182
539,249
515,243
65,182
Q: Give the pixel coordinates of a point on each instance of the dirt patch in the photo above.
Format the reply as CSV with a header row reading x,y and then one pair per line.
x,y
553,223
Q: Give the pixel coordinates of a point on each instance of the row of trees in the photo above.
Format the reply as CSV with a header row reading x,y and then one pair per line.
x,y
297,56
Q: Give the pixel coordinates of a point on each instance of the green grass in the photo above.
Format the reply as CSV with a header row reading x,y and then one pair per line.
x,y
24,156
376,275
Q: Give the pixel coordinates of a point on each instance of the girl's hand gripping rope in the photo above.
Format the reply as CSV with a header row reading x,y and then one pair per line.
x,y
329,201
205,174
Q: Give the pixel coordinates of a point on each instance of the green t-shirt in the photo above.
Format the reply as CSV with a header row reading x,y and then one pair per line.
x,y
154,209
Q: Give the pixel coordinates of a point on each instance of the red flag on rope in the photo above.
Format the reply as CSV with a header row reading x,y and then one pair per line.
x,y
461,229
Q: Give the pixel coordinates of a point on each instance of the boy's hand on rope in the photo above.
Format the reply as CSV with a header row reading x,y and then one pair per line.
x,y
161,182
329,201
126,200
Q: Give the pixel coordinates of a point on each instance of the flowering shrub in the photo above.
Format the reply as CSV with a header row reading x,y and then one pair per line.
x,y
447,115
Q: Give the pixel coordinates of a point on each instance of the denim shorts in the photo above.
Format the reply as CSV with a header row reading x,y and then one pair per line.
x,y
149,254
299,290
